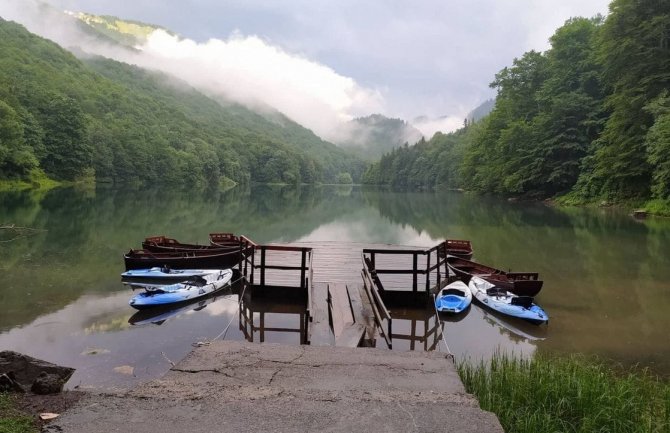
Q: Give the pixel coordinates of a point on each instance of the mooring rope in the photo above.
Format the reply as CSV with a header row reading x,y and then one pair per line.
x,y
444,339
225,330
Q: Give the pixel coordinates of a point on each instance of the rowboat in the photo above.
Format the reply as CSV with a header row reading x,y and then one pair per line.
x,y
453,298
165,273
143,259
519,283
164,244
187,291
506,302
460,248
223,239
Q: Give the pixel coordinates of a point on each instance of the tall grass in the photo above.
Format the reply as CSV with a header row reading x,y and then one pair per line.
x,y
11,419
568,394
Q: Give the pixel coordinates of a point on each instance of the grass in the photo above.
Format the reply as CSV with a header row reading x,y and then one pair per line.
x,y
13,420
658,207
568,394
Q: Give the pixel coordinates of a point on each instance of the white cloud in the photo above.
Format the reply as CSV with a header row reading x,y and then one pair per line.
x,y
429,127
252,71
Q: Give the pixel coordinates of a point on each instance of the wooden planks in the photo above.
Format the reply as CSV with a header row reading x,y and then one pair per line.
x,y
319,327
340,308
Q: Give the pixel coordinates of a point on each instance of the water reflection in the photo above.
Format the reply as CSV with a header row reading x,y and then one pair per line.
x,y
606,275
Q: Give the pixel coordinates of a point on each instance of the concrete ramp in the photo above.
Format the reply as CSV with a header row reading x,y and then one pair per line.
x,y
244,387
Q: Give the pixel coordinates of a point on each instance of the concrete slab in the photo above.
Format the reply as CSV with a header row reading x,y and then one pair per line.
x,y
246,387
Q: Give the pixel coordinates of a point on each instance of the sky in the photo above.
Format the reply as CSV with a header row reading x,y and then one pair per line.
x,y
321,62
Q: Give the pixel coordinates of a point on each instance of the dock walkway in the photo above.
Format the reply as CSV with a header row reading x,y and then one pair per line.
x,y
245,387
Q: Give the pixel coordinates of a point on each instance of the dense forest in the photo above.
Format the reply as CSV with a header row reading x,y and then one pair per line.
x,y
72,118
587,120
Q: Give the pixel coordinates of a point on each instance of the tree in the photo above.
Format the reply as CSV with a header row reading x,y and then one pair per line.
x,y
68,153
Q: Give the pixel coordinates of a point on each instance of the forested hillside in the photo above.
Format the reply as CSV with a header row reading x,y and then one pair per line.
x,y
589,119
76,118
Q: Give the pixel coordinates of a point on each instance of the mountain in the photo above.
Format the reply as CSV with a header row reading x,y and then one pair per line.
x,y
125,32
82,117
372,136
481,111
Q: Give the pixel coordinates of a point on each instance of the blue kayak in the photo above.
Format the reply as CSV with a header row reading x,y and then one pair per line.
x,y
507,303
166,273
194,288
453,298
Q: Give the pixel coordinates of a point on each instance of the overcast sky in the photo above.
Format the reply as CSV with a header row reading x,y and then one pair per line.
x,y
433,58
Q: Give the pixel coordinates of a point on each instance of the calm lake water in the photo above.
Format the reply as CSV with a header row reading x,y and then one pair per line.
x,y
607,276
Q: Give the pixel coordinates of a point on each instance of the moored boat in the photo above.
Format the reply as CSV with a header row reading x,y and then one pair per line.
x,y
187,291
164,244
506,302
519,283
223,239
143,259
165,273
453,298
460,248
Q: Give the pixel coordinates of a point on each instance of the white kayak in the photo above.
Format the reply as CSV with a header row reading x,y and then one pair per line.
x,y
453,298
193,288
505,302
166,273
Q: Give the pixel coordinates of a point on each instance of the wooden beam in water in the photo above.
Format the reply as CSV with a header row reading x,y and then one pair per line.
x,y
340,308
351,336
319,328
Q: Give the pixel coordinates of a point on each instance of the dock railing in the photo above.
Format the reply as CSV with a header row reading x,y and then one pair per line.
x,y
372,287
432,266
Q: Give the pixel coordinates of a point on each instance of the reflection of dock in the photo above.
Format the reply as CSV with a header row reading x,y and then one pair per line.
x,y
345,289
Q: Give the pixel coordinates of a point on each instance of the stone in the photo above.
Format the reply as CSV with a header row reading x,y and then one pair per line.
x,y
47,383
24,370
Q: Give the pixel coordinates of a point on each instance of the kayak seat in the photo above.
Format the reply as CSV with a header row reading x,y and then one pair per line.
x,y
496,291
522,301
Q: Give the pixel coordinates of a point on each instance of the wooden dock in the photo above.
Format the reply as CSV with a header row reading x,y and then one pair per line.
x,y
345,286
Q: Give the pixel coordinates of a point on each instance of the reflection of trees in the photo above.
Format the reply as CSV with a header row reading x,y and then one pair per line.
x,y
86,234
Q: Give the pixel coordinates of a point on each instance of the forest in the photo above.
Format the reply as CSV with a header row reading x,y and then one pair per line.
x,y
69,119
588,120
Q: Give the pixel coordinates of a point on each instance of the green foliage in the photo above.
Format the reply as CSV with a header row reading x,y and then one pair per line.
x,y
634,50
574,394
344,178
128,125
11,419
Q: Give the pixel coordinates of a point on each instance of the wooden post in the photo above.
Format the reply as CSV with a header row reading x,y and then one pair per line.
x,y
262,265
428,273
372,261
303,263
415,285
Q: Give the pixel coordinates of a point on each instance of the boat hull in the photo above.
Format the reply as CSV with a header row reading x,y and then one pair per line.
x,y
142,259
454,298
179,293
519,283
502,301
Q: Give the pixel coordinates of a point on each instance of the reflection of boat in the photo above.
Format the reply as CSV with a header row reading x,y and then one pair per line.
x,y
143,259
493,318
159,315
519,283
194,288
507,303
165,273
453,298
164,244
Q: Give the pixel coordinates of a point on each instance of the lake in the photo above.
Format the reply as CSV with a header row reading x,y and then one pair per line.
x,y
606,275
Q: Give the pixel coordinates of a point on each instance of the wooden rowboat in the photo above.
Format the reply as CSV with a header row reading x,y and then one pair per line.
x,y
204,259
460,248
519,283
160,244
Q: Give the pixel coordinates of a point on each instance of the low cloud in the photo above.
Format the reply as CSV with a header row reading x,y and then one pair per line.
x,y
429,127
244,69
